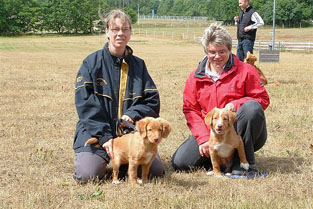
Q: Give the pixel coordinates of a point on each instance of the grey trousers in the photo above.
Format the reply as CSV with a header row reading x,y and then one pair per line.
x,y
250,125
91,167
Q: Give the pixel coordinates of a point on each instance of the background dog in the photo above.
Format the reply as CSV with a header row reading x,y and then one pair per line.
x,y
251,60
138,148
224,140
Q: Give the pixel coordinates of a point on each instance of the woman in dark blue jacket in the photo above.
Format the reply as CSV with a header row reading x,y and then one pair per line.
x,y
111,84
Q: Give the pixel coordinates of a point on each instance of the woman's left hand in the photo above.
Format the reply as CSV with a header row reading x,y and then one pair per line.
x,y
230,106
127,118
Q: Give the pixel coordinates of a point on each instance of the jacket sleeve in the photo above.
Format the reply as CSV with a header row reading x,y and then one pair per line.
x,y
192,111
149,103
90,112
254,89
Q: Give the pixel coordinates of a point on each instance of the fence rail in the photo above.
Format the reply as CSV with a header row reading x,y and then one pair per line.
x,y
144,17
283,45
258,45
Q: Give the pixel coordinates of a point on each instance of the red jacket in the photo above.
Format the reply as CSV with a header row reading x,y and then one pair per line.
x,y
238,83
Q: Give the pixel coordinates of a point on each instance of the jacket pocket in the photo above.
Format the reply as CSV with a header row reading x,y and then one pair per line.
x,y
102,88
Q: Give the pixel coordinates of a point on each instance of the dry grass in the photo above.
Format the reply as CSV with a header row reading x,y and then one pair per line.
x,y
37,121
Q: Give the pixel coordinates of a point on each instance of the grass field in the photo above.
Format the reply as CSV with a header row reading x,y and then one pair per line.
x,y
38,117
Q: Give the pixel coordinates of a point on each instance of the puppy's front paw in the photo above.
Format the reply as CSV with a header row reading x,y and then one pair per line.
x,y
139,181
210,173
244,166
116,182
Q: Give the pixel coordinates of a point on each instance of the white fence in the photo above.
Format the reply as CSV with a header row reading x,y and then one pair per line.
x,y
284,46
258,45
144,17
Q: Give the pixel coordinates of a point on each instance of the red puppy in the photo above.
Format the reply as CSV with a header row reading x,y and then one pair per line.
x,y
138,148
224,140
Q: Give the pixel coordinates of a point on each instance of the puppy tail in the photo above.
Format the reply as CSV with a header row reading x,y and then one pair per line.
x,y
91,141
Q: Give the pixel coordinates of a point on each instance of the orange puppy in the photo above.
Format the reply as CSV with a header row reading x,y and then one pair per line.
x,y
251,60
224,140
138,148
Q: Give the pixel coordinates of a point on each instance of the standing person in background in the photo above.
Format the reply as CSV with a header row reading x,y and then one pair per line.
x,y
247,23
111,84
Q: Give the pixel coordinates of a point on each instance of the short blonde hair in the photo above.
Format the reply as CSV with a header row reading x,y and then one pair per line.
x,y
216,34
117,13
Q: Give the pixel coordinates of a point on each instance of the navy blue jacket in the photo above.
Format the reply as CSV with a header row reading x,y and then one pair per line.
x,y
96,104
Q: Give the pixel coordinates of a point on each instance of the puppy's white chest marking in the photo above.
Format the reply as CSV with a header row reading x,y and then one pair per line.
x,y
148,157
223,150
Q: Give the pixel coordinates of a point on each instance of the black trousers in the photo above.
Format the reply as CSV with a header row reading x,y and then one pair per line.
x,y
250,125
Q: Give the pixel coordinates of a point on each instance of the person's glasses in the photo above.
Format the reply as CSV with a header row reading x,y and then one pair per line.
x,y
220,53
117,30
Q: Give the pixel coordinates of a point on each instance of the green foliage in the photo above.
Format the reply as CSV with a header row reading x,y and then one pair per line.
x,y
132,14
81,16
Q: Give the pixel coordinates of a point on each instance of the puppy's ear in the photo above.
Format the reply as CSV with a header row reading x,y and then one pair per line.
x,y
209,117
141,127
166,128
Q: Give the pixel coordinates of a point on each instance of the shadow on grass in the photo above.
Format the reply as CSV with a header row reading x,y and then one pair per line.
x,y
282,165
270,165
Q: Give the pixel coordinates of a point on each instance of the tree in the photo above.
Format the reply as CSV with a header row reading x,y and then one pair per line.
x,y
165,6
132,14
18,16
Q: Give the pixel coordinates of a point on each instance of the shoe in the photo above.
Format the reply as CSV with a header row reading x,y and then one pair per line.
x,y
241,171
251,173
237,170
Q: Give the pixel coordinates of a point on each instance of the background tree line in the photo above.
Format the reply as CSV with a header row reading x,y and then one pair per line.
x,y
80,16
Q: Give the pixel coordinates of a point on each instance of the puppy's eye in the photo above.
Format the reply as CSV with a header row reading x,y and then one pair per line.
x,y
149,129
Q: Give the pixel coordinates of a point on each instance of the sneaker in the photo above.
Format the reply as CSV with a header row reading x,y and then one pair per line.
x,y
237,170
251,173
241,171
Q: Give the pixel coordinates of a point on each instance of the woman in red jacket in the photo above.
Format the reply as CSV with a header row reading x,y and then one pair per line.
x,y
221,80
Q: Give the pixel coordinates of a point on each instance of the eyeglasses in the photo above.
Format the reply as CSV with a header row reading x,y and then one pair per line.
x,y
220,53
117,30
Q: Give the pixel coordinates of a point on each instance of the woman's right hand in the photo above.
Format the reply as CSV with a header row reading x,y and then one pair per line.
x,y
108,146
204,149
236,18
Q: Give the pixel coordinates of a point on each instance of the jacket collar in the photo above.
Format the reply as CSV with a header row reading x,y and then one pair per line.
x,y
200,72
247,9
128,51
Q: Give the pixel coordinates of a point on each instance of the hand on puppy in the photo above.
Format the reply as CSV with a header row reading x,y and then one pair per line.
x,y
230,106
108,146
126,118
